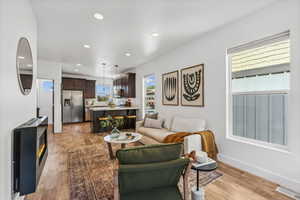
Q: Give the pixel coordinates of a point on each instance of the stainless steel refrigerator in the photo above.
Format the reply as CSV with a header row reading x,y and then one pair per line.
x,y
72,106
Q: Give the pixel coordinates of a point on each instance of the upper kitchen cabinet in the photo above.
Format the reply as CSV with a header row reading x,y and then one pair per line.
x,y
73,84
124,87
79,84
90,91
68,83
87,86
131,85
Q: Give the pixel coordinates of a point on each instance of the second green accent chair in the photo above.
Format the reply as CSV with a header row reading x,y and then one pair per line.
x,y
151,173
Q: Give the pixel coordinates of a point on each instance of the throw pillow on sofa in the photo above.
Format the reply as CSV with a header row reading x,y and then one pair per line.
x,y
167,121
153,123
151,116
181,124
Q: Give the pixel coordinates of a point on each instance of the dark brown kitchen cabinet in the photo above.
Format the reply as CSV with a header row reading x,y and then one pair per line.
x,y
68,83
79,84
124,87
131,85
87,86
90,90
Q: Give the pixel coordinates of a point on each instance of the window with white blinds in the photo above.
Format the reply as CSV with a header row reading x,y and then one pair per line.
x,y
260,72
276,53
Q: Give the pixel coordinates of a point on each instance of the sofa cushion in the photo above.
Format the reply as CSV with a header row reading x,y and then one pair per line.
x,y
167,193
157,134
167,121
151,116
153,123
181,124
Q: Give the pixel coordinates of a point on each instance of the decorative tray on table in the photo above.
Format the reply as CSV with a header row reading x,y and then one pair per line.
x,y
127,136
197,164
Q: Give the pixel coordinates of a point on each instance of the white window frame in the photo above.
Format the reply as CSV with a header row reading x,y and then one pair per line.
x,y
229,114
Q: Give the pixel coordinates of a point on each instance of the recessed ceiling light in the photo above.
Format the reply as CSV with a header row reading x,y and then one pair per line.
x,y
76,70
87,46
21,57
98,16
78,64
29,65
127,54
155,34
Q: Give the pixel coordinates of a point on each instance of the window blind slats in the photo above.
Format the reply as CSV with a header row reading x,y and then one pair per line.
x,y
271,54
259,43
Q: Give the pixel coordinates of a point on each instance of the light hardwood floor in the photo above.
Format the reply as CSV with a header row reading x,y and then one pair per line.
x,y
54,185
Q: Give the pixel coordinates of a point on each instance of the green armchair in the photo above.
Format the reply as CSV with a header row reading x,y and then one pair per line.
x,y
151,172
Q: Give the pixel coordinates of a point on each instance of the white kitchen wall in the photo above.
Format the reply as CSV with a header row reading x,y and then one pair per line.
x,y
53,71
279,166
16,20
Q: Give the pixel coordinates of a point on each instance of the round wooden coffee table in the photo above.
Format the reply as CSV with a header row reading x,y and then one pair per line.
x,y
122,141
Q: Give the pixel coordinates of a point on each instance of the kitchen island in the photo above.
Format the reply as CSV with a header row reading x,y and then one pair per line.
x,y
125,118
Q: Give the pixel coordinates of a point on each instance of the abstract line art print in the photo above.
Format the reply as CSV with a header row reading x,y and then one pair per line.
x,y
192,86
170,86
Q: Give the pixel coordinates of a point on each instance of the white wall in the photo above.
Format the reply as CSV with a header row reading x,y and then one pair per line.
x,y
53,71
16,20
210,49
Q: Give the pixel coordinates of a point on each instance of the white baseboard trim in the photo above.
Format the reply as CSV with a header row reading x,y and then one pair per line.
x,y
288,193
264,173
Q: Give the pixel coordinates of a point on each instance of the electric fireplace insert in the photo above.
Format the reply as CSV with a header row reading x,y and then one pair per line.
x,y
30,153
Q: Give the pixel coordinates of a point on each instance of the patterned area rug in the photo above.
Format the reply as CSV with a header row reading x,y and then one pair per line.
x,y
91,173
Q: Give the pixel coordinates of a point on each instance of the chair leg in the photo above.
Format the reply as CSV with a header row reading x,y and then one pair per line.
x,y
116,185
186,182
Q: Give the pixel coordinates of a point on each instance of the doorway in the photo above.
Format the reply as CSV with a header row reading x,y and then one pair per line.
x,y
45,96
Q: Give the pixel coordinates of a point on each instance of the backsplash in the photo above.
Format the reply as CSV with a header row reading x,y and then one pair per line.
x,y
117,101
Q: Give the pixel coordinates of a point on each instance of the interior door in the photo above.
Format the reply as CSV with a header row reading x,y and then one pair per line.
x,y
67,106
77,106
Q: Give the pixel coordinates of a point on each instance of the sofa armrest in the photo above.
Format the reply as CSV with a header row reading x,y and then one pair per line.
x,y
139,124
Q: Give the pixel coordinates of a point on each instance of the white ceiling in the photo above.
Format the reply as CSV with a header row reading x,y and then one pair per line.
x,y
64,26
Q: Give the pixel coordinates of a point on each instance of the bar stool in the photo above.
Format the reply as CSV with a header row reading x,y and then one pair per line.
x,y
119,121
130,121
104,124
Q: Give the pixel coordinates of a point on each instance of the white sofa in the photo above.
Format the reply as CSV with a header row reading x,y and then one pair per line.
x,y
171,126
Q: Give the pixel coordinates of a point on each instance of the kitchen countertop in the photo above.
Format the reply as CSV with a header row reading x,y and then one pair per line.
x,y
93,106
115,108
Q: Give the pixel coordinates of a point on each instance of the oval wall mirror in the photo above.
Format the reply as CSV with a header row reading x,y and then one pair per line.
x,y
24,66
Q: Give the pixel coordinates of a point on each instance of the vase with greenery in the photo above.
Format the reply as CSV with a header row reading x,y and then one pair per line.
x,y
115,133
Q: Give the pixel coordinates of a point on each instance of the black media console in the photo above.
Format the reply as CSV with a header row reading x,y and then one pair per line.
x,y
30,153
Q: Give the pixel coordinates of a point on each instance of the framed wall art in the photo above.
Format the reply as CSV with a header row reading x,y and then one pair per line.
x,y
170,88
192,86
